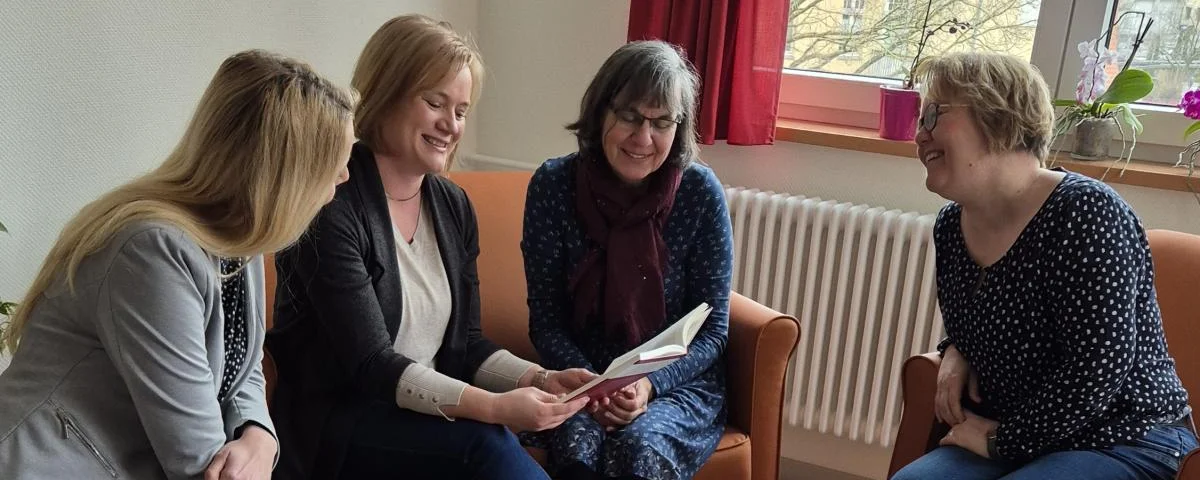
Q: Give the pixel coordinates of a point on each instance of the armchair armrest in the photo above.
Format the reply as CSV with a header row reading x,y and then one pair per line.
x,y
761,342
1189,469
918,431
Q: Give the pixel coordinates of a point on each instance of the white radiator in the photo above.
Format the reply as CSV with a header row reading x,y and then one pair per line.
x,y
861,281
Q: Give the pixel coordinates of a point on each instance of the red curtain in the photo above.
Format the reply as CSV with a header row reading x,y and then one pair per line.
x,y
737,47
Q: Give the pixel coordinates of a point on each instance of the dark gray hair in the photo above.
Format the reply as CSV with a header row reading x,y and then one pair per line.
x,y
649,72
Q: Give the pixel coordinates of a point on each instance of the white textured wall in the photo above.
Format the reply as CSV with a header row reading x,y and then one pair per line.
x,y
93,93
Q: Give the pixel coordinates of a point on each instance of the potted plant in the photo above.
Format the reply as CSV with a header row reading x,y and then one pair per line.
x,y
900,106
1101,109
1190,104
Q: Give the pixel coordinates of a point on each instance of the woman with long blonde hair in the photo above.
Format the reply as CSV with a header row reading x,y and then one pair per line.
x,y
137,350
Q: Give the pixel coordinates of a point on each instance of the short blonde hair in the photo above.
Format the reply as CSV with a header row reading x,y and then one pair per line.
x,y
1008,98
252,170
408,54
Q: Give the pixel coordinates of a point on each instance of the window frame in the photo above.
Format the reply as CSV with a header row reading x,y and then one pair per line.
x,y
854,101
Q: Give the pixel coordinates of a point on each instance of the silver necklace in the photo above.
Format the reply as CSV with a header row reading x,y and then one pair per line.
x,y
394,199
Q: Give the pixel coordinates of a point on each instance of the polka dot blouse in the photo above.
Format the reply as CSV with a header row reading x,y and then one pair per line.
x,y
1064,330
233,302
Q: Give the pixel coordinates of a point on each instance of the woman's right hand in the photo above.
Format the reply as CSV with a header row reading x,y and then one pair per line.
x,y
953,375
530,409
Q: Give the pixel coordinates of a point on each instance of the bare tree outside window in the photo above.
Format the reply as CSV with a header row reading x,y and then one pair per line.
x,y
1171,50
884,33
878,38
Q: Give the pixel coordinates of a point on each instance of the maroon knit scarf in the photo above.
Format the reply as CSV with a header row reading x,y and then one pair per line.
x,y
619,281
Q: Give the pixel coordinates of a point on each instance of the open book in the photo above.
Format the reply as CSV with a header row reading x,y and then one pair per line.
x,y
658,352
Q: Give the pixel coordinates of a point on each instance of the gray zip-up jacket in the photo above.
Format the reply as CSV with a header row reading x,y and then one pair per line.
x,y
120,379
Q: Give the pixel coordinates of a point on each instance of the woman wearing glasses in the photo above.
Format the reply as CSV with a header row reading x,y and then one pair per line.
x,y
1047,290
620,239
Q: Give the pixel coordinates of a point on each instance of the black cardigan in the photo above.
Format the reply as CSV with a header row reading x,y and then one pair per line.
x,y
337,311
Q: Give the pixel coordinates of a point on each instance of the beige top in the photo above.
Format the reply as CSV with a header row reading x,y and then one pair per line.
x,y
425,298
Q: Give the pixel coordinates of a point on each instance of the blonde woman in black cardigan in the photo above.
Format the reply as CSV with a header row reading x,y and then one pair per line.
x,y
383,368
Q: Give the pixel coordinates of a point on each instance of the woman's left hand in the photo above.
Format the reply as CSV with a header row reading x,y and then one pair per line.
x,y
250,457
971,434
628,403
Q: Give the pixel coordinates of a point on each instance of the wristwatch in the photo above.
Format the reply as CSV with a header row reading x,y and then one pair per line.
x,y
539,379
991,446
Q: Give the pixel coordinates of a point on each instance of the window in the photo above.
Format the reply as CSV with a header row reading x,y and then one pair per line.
x,y
851,16
878,38
1170,52
840,51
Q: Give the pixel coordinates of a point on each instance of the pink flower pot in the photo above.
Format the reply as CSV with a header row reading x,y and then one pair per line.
x,y
898,110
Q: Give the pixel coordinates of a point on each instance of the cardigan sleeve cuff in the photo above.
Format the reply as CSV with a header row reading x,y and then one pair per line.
x,y
502,371
425,390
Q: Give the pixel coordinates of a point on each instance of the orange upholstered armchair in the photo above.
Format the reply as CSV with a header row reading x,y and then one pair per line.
x,y
1177,281
761,340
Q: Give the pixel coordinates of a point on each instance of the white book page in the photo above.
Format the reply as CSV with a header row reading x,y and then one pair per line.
x,y
680,333
671,353
661,352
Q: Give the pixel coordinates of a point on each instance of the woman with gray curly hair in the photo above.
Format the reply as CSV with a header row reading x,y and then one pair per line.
x,y
1047,292
622,238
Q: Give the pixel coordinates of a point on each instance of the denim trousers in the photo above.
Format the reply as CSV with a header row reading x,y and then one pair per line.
x,y
1153,457
391,442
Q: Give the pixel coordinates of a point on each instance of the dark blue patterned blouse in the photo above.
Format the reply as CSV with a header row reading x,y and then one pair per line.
x,y
1064,330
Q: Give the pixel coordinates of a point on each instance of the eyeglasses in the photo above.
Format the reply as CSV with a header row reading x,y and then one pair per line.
x,y
930,114
634,120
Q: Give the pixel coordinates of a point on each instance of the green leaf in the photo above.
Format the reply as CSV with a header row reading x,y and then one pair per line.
x,y
1067,121
2,229
1186,133
1065,103
1136,122
1130,118
1128,86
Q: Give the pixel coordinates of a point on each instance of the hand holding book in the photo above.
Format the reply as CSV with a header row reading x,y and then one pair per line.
x,y
562,382
624,406
656,353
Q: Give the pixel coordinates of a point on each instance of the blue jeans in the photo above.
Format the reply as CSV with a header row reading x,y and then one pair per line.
x,y
1153,457
390,442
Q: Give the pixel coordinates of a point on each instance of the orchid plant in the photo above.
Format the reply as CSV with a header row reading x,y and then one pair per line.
x,y
1097,98
952,26
1190,105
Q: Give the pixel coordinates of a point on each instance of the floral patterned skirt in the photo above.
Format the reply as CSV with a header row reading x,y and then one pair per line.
x,y
672,440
